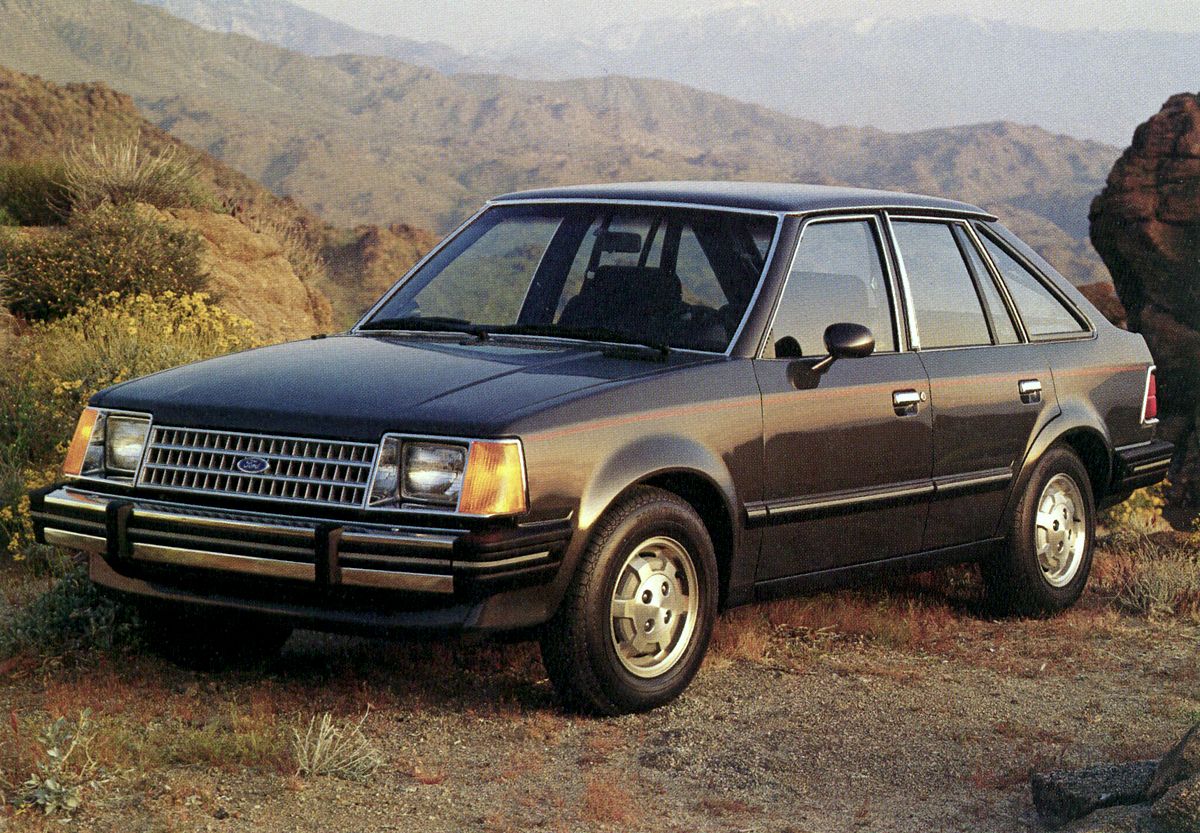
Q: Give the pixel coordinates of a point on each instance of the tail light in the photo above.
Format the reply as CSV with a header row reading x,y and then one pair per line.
x,y
1150,401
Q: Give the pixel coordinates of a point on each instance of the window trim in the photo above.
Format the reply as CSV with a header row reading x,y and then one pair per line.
x,y
888,273
949,222
1072,309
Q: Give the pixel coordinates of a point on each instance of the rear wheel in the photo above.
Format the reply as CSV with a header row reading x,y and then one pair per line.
x,y
1048,552
635,624
212,641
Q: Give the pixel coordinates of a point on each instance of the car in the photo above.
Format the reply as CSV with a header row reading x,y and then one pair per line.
x,y
600,415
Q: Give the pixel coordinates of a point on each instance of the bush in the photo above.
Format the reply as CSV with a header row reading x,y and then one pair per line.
x,y
33,194
46,276
123,173
1141,512
52,371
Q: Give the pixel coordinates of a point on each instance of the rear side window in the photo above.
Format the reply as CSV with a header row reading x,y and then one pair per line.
x,y
946,304
837,277
1042,313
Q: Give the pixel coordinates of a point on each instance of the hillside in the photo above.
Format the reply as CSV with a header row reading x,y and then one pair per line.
x,y
369,139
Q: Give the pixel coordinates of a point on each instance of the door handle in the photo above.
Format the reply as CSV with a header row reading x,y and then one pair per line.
x,y
905,402
1030,391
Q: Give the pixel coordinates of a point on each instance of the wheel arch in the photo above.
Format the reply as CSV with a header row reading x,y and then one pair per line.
x,y
1081,429
683,467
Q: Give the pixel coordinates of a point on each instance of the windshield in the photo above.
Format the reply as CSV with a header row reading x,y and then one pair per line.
x,y
656,275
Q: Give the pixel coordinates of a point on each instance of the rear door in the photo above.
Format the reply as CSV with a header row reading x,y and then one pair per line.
x,y
989,387
847,453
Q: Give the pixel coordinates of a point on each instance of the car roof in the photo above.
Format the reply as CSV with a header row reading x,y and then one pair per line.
x,y
755,196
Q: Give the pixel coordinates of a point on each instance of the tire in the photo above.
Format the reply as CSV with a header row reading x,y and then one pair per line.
x,y
212,641
1044,568
604,663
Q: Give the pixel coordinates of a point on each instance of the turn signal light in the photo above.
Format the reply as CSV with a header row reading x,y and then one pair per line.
x,y
495,480
77,451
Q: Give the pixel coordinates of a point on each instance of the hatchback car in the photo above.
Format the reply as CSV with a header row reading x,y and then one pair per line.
x,y
600,415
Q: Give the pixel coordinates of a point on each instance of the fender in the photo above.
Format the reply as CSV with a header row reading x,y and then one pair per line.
x,y
1074,414
637,462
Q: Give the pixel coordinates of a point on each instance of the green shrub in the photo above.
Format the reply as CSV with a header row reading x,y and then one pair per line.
x,y
124,172
33,194
50,373
124,250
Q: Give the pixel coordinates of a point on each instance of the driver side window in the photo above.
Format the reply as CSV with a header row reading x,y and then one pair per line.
x,y
837,277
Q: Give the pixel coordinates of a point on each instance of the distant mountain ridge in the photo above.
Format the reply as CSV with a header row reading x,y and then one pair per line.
x,y
370,139
892,74
294,27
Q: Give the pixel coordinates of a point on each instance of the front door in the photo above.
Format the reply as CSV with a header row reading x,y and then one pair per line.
x,y
847,453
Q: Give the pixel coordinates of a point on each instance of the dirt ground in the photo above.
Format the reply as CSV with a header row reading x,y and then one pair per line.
x,y
868,710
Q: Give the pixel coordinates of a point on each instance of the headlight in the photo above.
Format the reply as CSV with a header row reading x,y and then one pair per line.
x,y
483,477
433,472
106,445
124,441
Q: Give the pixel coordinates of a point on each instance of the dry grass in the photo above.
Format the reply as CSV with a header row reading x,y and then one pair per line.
x,y
125,172
342,751
298,246
1157,576
606,801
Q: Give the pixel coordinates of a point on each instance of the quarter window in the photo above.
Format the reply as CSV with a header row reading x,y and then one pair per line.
x,y
946,304
1042,313
1002,324
837,277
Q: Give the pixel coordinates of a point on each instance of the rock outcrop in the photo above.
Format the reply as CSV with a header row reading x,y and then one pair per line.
x,y
1146,227
249,274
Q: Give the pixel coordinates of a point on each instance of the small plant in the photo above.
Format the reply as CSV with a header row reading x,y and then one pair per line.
x,y
33,194
46,276
66,766
341,751
1141,512
124,172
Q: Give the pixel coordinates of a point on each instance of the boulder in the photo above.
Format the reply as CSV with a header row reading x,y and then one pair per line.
x,y
1178,810
1182,763
1123,819
1065,795
1146,227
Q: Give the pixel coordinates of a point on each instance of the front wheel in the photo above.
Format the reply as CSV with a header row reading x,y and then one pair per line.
x,y
636,621
1048,552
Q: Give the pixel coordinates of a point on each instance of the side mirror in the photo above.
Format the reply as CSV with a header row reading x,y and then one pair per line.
x,y
845,341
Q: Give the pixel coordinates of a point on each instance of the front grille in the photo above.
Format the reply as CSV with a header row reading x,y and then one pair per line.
x,y
327,472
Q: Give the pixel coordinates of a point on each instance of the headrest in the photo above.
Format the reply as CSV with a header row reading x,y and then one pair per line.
x,y
623,242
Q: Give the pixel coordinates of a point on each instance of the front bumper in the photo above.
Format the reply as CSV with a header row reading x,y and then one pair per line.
x,y
315,566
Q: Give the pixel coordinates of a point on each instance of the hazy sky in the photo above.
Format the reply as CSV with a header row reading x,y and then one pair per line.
x,y
471,23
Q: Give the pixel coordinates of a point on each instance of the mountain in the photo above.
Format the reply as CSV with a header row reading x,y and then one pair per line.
x,y
294,27
893,74
370,139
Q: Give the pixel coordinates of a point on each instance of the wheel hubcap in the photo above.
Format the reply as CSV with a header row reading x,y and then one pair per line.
x,y
1061,531
654,606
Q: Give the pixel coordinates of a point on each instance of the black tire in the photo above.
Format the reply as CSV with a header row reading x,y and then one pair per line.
x,y
1017,582
579,645
215,641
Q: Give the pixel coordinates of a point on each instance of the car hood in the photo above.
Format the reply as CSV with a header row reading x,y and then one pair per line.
x,y
360,387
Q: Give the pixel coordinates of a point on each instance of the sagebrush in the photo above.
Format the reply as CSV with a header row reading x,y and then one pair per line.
x,y
33,193
48,275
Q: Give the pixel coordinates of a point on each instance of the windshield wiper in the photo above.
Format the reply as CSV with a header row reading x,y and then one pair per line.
x,y
601,334
429,324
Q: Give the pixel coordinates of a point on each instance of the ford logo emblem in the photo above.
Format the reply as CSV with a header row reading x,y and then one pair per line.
x,y
252,465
